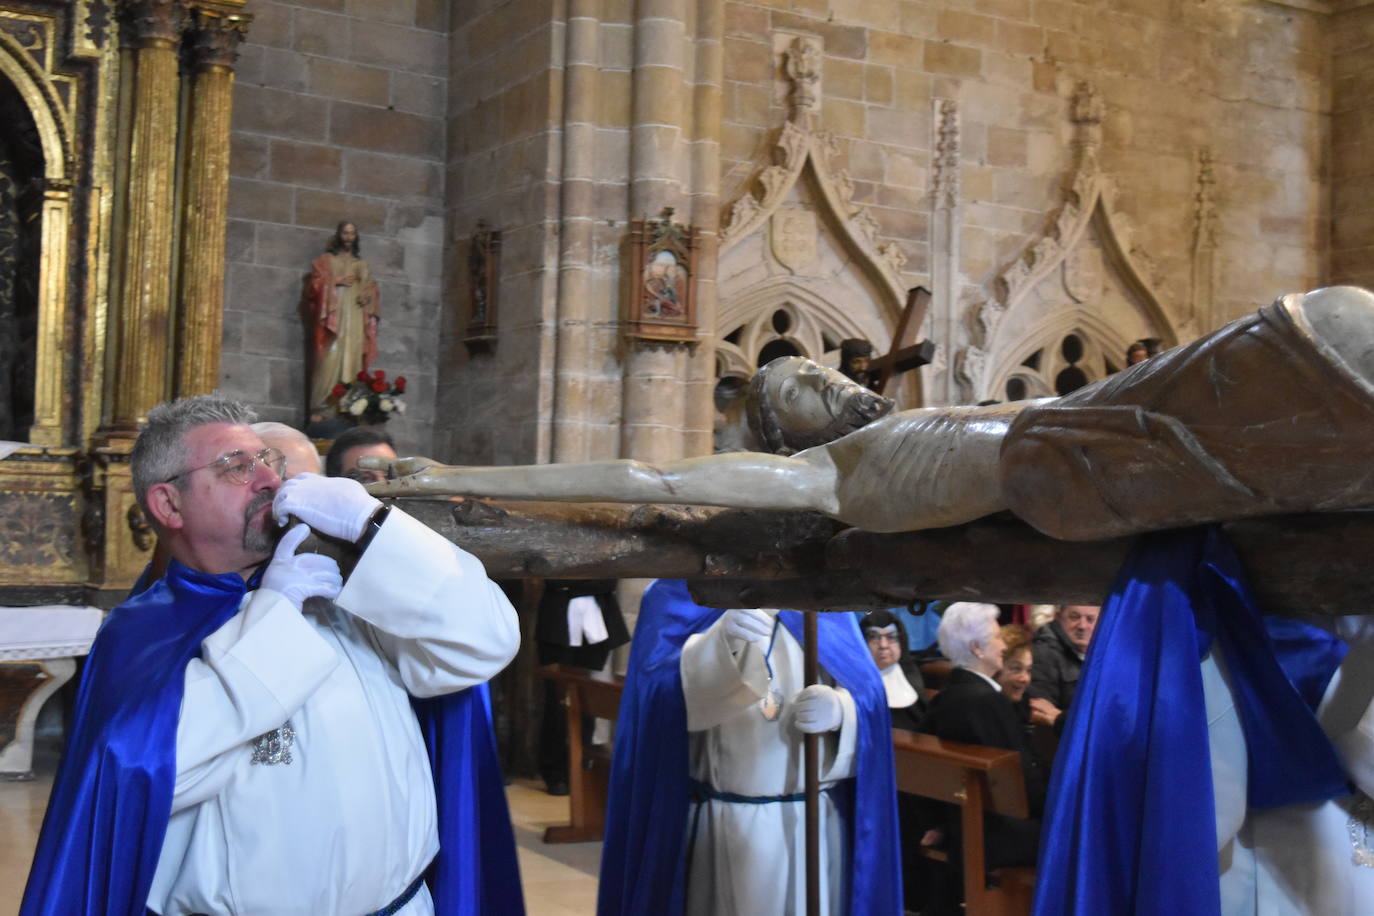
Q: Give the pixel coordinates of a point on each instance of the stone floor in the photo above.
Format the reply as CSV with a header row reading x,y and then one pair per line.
x,y
558,880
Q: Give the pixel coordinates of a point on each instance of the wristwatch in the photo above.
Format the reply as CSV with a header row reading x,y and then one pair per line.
x,y
374,524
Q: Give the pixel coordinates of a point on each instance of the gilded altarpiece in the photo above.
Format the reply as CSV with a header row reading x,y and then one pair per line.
x,y
91,209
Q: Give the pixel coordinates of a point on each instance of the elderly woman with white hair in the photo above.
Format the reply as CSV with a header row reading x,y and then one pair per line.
x,y
972,709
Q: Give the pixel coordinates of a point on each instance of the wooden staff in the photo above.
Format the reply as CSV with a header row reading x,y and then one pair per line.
x,y
811,747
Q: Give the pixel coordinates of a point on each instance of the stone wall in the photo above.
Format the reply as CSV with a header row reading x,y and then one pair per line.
x,y
338,114
1352,133
502,151
1246,80
538,149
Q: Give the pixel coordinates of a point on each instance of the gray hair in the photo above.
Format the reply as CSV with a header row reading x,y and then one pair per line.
x,y
961,625
290,437
160,451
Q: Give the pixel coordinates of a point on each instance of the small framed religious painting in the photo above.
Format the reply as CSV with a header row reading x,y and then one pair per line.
x,y
662,280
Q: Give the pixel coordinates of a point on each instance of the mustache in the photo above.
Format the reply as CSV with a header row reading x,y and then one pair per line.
x,y
258,502
260,539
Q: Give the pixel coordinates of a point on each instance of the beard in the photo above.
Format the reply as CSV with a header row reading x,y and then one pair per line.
x,y
260,540
860,408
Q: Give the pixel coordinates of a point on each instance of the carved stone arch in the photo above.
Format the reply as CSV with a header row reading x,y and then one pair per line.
x,y
797,240
816,323
1085,261
1104,348
805,156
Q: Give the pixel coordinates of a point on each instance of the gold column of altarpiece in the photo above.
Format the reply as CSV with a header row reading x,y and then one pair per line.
x,y
218,29
143,310
146,301
112,127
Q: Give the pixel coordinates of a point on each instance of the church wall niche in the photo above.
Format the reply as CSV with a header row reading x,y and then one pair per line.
x,y
21,182
58,72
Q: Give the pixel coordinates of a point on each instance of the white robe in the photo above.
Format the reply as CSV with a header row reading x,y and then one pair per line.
x,y
1300,860
750,859
350,822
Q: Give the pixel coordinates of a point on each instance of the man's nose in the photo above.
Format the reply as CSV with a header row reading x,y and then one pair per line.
x,y
265,476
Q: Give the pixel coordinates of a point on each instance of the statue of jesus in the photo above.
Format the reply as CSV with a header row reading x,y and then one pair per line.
x,y
345,310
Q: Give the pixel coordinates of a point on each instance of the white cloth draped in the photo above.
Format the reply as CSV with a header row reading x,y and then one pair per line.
x,y
1300,860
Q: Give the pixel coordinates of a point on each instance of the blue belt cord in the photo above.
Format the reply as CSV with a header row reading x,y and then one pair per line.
x,y
699,793
406,895
391,908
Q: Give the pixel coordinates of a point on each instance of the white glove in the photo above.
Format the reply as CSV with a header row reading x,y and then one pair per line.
x,y
817,709
746,626
335,506
300,576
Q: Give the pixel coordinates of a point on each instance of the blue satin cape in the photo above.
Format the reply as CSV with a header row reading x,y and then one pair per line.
x,y
1130,824
107,817
643,861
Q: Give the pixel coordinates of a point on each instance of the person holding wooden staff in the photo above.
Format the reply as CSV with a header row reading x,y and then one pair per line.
x,y
706,805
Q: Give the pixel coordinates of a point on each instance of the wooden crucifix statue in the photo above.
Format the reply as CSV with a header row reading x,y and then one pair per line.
x,y
1272,413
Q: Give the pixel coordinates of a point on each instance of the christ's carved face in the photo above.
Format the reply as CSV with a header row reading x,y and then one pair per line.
x,y
814,405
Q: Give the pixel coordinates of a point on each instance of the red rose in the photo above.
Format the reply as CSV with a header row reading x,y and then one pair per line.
x,y
379,375
400,384
338,390
363,376
379,386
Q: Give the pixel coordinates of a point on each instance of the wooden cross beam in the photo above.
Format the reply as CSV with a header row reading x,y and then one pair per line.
x,y
903,358
1297,564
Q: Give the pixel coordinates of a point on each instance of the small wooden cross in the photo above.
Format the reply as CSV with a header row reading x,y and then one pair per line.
x,y
903,358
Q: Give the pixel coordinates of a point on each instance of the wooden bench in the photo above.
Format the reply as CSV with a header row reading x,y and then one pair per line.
x,y
980,780
588,693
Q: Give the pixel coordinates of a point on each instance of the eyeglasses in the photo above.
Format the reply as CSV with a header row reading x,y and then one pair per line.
x,y
239,466
878,637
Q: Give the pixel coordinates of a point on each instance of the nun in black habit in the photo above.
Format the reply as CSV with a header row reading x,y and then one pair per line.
x,y
906,691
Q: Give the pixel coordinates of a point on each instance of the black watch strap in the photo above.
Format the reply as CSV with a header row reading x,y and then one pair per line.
x,y
374,524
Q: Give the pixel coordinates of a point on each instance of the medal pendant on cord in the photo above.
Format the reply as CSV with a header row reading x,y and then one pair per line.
x,y
771,705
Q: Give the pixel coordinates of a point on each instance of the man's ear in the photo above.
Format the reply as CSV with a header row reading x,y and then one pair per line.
x,y
164,505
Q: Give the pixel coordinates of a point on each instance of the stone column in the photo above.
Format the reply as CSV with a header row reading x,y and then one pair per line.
x,y
946,222
217,33
652,421
142,314
699,408
573,340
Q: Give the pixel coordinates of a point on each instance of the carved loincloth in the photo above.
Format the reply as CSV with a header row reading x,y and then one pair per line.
x,y
1255,419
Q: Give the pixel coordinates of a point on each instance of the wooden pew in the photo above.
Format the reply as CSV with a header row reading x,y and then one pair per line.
x,y
979,780
589,693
